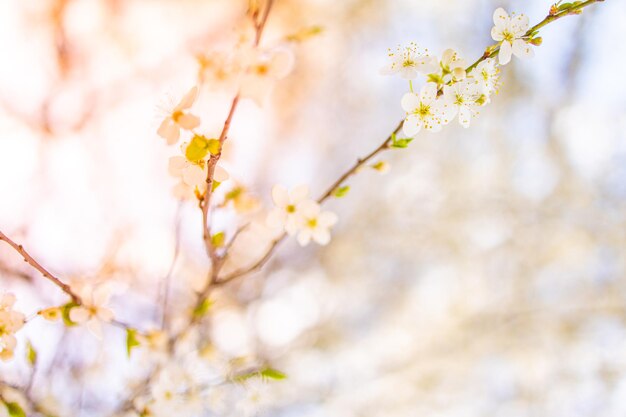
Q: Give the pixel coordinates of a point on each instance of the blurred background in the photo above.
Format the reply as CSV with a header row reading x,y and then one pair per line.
x,y
484,275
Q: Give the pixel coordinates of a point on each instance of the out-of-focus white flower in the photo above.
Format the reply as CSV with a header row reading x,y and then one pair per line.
x,y
94,311
181,386
219,70
178,118
192,176
10,322
289,206
452,65
462,97
315,225
424,111
487,74
263,69
509,31
409,61
241,199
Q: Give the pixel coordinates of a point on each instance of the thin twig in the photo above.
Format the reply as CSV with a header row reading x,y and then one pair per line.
x,y
32,262
168,277
384,146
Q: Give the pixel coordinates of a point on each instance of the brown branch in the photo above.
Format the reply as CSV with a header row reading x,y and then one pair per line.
x,y
206,202
260,26
386,144
32,262
217,260
493,50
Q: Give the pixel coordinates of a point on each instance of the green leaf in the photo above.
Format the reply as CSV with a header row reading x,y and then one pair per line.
x,y
131,340
341,191
197,149
264,374
14,410
65,310
215,185
203,308
565,6
217,240
269,373
401,143
31,354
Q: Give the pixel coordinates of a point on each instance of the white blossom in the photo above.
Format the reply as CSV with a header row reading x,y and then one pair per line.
x,y
452,65
315,225
487,73
409,61
464,98
289,205
192,176
179,118
509,31
219,70
425,111
10,322
94,309
263,69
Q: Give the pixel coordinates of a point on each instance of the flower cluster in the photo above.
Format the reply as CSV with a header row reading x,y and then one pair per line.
x,y
190,168
297,214
453,90
10,322
252,72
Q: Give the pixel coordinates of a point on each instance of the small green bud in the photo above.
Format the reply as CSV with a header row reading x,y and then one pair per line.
x,y
341,191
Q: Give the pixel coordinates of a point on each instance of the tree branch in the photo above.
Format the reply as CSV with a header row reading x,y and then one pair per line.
x,y
490,52
48,275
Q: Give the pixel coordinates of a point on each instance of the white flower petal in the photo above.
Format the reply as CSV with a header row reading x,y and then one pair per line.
x,y
176,165
504,56
102,294
281,63
309,209
280,195
321,236
183,192
428,94
465,116
188,100
299,194
412,125
7,300
105,314
293,223
410,102
188,121
519,25
327,219
304,237
501,18
276,218
169,130
193,175
79,314
522,49
95,328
